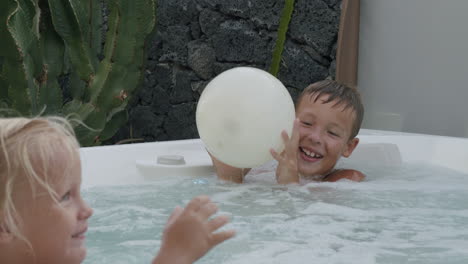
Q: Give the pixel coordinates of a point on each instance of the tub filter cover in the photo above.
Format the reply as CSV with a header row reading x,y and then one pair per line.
x,y
240,116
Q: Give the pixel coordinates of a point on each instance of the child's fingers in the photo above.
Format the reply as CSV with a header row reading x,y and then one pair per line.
x,y
220,237
208,210
217,222
285,137
289,143
275,155
197,202
174,215
293,143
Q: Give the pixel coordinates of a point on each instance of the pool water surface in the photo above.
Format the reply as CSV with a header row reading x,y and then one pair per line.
x,y
414,213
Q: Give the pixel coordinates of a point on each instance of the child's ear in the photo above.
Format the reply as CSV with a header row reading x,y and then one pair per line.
x,y
350,146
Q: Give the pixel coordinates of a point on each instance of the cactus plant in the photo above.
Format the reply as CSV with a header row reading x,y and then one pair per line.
x,y
281,38
45,41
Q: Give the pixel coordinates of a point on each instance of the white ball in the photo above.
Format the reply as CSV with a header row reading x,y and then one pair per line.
x,y
240,116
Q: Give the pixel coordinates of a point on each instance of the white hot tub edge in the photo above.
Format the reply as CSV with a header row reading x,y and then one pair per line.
x,y
137,163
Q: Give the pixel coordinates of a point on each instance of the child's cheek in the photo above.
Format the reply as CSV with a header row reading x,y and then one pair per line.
x,y
303,131
337,145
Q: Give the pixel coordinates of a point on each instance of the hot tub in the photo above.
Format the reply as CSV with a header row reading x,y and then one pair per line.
x,y
413,207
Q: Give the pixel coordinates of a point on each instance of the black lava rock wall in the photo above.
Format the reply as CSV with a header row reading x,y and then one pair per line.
x,y
195,40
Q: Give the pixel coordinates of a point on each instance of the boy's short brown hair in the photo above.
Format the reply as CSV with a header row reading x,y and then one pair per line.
x,y
346,96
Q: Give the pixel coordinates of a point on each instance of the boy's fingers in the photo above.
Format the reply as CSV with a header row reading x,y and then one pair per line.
x,y
197,202
278,157
294,142
275,154
220,237
285,136
208,210
218,222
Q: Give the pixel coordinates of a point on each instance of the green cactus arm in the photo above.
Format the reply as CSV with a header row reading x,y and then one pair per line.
x,y
81,12
77,87
7,48
113,125
18,95
22,69
282,30
77,109
127,57
52,48
53,52
3,105
50,97
137,22
129,24
7,45
36,18
121,82
3,88
105,66
138,19
21,22
95,123
73,30
87,114
94,9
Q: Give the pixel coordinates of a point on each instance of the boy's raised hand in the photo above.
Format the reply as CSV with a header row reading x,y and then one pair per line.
x,y
189,234
287,171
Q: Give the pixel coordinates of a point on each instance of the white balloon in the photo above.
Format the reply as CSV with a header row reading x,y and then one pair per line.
x,y
240,116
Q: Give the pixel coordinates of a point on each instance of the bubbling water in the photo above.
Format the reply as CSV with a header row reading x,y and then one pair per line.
x,y
416,213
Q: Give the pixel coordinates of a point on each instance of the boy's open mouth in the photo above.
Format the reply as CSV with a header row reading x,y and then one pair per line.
x,y
310,154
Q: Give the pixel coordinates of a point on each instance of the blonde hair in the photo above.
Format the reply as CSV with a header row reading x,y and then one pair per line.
x,y
28,147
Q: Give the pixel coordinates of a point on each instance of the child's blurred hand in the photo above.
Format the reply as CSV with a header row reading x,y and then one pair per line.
x,y
189,234
287,171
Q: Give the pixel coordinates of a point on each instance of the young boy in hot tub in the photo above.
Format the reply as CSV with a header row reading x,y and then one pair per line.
x,y
328,119
43,217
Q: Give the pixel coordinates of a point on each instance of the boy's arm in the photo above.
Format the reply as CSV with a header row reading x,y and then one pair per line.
x,y
190,233
228,173
352,175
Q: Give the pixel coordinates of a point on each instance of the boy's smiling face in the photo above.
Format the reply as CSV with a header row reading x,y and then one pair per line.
x,y
324,135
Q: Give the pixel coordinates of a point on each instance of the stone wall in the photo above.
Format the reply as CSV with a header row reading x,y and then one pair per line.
x,y
195,40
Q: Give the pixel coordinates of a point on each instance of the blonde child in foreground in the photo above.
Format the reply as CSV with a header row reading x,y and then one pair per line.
x,y
328,118
43,218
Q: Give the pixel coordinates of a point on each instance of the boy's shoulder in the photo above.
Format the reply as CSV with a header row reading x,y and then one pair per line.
x,y
349,174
